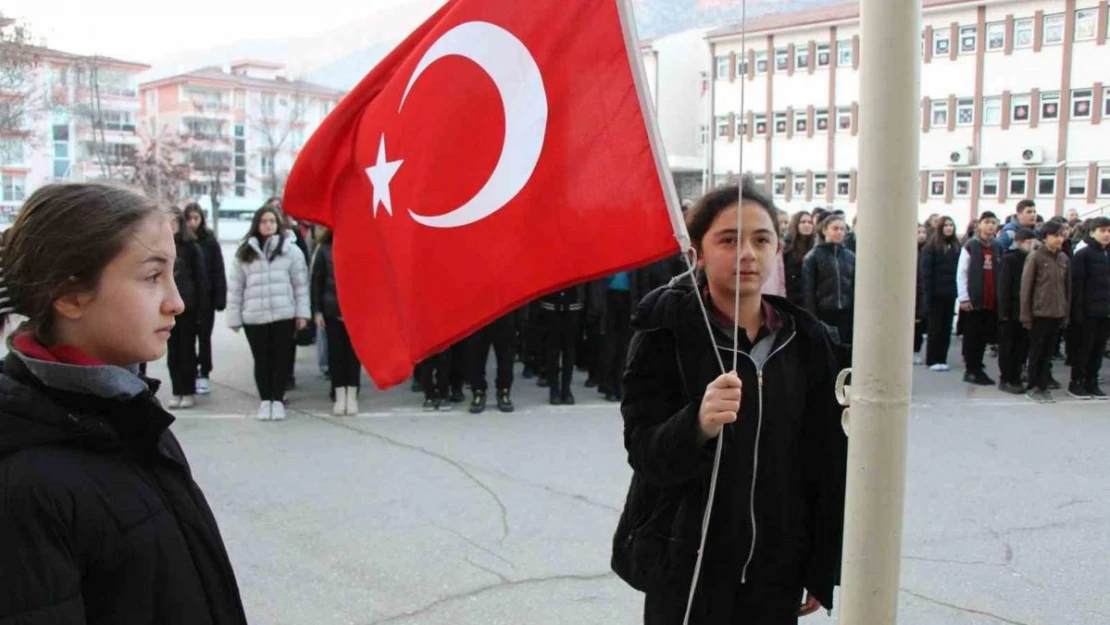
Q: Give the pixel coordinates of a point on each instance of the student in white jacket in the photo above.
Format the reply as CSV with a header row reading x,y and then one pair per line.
x,y
268,295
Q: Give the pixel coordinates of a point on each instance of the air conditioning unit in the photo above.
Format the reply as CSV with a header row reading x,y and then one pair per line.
x,y
1032,156
960,157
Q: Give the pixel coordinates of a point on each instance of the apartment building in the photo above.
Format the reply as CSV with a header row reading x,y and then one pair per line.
x,y
240,128
55,135
1014,96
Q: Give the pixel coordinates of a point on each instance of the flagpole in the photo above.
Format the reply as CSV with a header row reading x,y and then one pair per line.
x,y
885,293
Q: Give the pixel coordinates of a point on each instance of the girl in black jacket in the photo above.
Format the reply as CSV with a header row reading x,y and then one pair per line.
x,y
343,364
101,522
217,291
939,260
775,532
802,240
191,276
829,278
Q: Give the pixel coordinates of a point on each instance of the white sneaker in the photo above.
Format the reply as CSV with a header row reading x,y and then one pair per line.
x,y
939,367
204,386
352,401
188,401
175,402
264,410
917,360
340,407
277,413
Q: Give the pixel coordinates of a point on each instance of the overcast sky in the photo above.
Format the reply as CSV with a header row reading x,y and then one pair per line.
x,y
149,30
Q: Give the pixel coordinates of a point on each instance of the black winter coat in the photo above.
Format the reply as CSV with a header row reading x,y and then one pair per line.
x,y
1090,280
325,297
190,274
101,522
217,273
938,273
1009,284
789,418
829,278
568,299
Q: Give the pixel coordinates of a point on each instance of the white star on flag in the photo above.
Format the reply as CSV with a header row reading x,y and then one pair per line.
x,y
381,175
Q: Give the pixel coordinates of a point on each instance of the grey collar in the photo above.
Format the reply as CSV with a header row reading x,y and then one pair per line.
x,y
105,381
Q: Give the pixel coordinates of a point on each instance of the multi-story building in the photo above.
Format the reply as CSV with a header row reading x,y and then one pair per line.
x,y
57,134
240,129
675,66
1014,96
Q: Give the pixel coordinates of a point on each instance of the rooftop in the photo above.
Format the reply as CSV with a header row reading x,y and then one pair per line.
x,y
217,74
812,17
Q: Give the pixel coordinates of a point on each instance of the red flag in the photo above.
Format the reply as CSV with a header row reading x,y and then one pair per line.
x,y
499,153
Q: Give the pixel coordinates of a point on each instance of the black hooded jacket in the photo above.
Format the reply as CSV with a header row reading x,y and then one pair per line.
x,y
217,273
1090,278
100,520
829,278
788,426
190,274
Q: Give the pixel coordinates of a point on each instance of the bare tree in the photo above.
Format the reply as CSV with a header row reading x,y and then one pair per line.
x,y
93,83
21,99
279,127
157,168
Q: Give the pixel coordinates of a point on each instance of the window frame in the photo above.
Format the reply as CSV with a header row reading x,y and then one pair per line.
x,y
820,115
10,191
761,57
1017,175
1090,13
845,179
1059,27
992,177
826,50
843,113
987,108
934,110
775,182
801,123
1106,101
800,53
782,59
942,35
1049,98
844,57
962,176
963,31
1027,25
757,119
1079,96
962,105
819,181
721,124
935,178
997,28
722,74
741,126
1103,179
1017,101
800,185
1045,176
1071,174
780,116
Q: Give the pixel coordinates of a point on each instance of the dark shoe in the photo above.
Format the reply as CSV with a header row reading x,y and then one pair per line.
x,y
568,398
291,383
528,372
1038,396
610,396
504,404
1053,385
978,378
457,396
1078,390
1013,389
478,404
1094,391
542,382
429,404
555,398
591,383
441,404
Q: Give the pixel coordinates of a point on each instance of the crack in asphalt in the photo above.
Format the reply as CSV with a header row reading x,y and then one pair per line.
x,y
498,574
961,608
451,461
946,561
555,491
470,594
470,541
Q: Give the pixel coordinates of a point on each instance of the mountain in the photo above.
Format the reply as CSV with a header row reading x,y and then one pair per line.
x,y
655,18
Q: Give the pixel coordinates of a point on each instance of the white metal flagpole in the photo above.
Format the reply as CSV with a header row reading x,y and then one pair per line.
x,y
885,293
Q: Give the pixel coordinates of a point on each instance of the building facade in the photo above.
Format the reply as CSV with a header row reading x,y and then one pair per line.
x,y
1014,96
239,130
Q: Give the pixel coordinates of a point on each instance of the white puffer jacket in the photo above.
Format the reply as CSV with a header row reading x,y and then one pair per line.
x,y
264,291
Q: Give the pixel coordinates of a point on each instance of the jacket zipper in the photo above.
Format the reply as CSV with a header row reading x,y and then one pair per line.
x,y
836,264
755,454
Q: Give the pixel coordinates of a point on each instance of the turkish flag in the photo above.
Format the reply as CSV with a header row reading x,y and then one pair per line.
x,y
501,152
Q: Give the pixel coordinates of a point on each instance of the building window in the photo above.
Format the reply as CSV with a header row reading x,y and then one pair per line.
x,y
963,184
844,53
992,111
742,65
801,58
780,123
1077,182
969,37
703,134
1050,105
240,99
782,59
722,67
268,108
941,42
937,184
820,184
1017,183
12,153
965,112
1086,24
823,55
760,182
844,118
799,186
722,127
988,186
1081,103
1104,182
761,62
843,185
940,113
13,186
760,124
741,126
1023,33
821,119
801,123
1019,109
1106,101
996,36
779,187
1046,183
1054,28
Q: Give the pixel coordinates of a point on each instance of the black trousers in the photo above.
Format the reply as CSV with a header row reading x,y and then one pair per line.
x,y
205,325
618,333
841,320
181,354
499,335
1086,360
272,346
594,344
1042,343
532,352
721,603
561,341
980,330
1013,349
435,375
919,330
941,314
459,364
343,364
